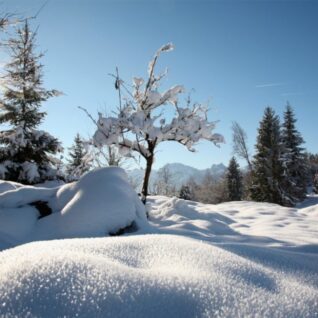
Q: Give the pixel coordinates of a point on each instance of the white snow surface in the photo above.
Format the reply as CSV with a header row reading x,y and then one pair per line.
x,y
100,203
255,223
147,276
236,259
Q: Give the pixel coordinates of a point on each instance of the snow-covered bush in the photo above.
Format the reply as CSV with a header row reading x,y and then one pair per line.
x,y
141,123
101,203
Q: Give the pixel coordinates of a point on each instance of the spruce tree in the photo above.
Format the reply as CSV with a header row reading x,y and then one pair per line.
x,y
312,162
293,158
234,181
79,162
25,152
315,183
267,175
185,193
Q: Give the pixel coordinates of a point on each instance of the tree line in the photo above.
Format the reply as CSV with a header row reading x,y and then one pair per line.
x,y
281,171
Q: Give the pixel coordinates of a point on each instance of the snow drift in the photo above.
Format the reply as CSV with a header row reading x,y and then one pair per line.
x,y
146,276
100,203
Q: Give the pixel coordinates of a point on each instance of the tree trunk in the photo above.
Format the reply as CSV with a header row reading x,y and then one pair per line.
x,y
144,191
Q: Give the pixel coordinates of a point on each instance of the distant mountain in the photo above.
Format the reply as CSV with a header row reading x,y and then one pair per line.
x,y
178,172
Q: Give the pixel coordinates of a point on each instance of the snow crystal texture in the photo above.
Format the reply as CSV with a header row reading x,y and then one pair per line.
x,y
146,276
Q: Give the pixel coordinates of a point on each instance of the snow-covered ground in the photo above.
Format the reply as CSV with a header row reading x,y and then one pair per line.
x,y
236,259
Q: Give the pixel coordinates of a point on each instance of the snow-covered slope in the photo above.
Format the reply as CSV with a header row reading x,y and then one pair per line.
x,y
147,276
242,221
236,259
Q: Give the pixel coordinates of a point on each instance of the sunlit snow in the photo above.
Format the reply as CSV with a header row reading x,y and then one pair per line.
x,y
236,259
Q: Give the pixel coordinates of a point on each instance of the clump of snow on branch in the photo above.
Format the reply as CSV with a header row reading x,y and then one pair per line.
x,y
135,124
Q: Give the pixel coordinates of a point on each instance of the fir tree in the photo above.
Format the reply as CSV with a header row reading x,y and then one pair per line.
x,y
25,152
234,181
185,193
79,162
267,175
293,158
315,183
312,162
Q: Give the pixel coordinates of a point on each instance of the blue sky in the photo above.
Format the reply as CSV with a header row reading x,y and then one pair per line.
x,y
241,56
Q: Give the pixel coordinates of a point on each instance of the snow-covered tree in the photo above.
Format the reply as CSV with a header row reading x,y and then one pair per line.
x,y
141,124
293,158
267,176
234,181
185,193
26,154
80,161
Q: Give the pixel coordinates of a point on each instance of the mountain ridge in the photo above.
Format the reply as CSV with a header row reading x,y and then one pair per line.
x,y
177,173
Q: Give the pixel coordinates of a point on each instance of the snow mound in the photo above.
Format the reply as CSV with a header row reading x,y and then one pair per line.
x,y
9,185
146,276
102,202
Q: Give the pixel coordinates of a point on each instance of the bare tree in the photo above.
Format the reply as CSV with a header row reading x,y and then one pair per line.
x,y
164,184
211,190
106,156
240,147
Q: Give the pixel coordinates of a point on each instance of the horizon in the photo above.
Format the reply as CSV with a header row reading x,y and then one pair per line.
x,y
240,56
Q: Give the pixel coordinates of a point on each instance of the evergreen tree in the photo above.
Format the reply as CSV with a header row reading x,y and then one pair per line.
x,y
185,193
315,183
25,152
234,181
312,162
267,176
293,158
79,163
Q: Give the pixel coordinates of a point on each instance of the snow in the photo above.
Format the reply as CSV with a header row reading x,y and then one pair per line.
x,y
147,276
8,185
261,224
100,203
236,259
